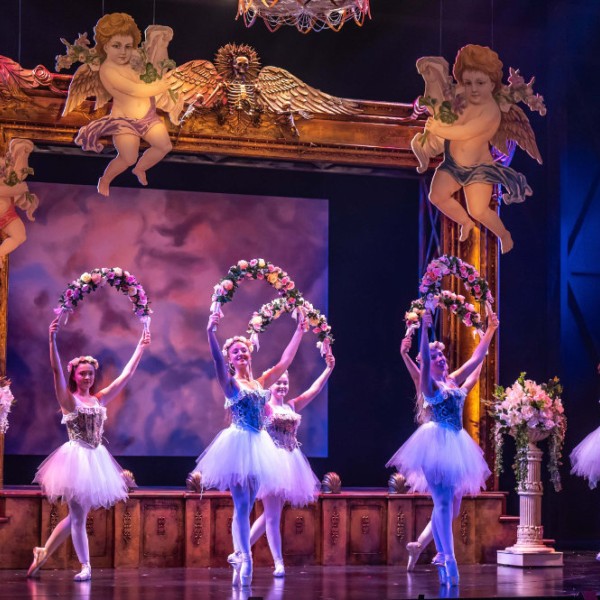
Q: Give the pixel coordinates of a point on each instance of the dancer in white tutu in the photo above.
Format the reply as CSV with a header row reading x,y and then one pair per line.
x,y
302,486
81,472
585,459
243,457
423,415
441,457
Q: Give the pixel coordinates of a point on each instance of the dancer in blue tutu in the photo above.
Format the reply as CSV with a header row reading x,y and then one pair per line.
x,y
81,472
243,457
440,457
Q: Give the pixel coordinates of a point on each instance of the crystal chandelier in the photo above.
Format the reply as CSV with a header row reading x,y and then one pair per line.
x,y
304,15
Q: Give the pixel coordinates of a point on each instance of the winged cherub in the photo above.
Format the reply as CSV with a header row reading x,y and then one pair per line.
x,y
240,91
468,118
116,68
14,168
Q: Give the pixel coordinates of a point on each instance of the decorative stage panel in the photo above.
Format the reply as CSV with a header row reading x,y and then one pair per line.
x,y
176,528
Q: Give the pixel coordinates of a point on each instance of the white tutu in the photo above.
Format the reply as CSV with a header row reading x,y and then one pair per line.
x,y
585,458
76,471
442,456
300,483
238,456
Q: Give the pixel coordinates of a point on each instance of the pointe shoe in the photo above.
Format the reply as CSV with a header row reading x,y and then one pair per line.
x,y
246,570
235,560
452,572
414,550
85,574
39,558
279,569
438,562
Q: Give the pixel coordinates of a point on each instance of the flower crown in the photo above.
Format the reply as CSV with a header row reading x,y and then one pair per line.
x,y
237,338
81,359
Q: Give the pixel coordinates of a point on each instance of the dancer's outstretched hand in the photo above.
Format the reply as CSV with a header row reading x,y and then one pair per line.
x,y
492,317
213,322
53,329
427,319
405,345
145,339
330,360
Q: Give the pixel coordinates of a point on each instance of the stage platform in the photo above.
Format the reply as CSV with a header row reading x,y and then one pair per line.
x,y
580,575
170,528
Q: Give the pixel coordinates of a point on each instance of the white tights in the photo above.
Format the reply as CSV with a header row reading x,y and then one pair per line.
x,y
446,506
243,501
427,535
269,521
74,524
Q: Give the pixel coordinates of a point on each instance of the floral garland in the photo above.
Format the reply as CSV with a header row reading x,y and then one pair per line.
x,y
6,401
290,300
431,288
121,280
80,51
524,406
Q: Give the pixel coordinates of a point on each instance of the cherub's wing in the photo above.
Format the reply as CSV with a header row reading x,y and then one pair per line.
x,y
193,81
85,83
280,91
514,125
439,84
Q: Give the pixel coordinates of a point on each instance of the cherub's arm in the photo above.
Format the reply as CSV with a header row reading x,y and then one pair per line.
x,y
475,127
110,392
305,398
268,378
10,191
63,395
111,78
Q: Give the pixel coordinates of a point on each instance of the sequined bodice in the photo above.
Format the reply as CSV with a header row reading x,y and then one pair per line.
x,y
86,424
248,408
447,406
282,426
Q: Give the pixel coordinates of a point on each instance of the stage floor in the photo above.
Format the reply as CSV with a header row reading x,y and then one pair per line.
x,y
581,573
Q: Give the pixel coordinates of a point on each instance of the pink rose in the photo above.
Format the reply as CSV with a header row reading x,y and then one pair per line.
x,y
471,278
96,278
253,262
476,289
242,264
227,284
131,290
260,275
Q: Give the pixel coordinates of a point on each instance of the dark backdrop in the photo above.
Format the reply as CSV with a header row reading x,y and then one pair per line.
x,y
548,309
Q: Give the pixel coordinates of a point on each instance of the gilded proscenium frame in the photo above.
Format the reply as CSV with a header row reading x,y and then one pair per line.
x,y
376,138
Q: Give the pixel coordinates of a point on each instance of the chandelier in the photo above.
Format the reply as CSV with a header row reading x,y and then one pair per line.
x,y
304,15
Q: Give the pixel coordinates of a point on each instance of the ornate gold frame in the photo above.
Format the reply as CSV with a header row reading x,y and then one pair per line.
x,y
376,138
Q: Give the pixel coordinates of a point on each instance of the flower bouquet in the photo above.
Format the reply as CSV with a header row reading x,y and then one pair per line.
x,y
529,412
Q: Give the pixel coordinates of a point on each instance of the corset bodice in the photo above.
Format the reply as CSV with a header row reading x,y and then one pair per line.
x,y
248,408
447,406
86,424
282,426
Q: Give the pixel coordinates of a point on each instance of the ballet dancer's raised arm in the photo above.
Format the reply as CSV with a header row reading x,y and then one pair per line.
x,y
112,390
269,377
305,398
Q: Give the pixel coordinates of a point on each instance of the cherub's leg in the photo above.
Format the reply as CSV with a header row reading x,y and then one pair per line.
x,y
15,231
478,202
128,147
443,188
160,146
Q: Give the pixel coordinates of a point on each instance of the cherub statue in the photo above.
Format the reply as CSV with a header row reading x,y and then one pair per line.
x,y
14,168
468,118
133,77
240,91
